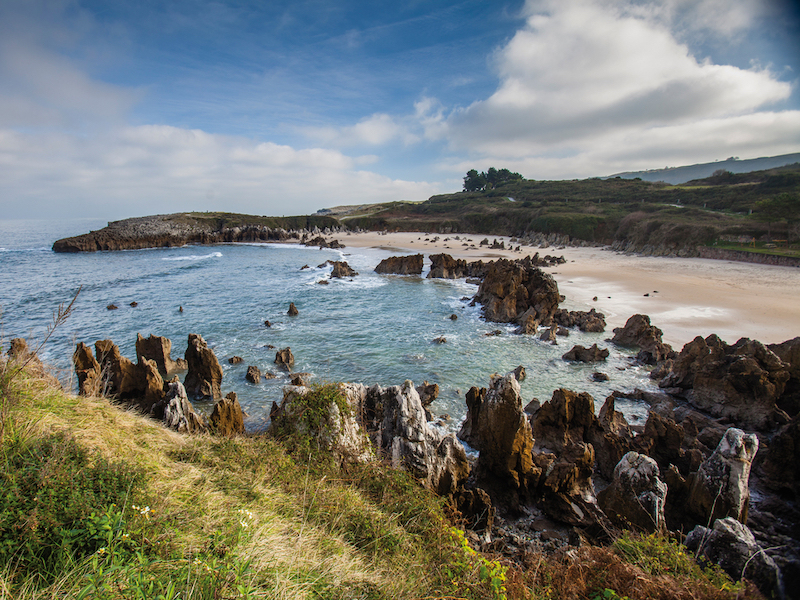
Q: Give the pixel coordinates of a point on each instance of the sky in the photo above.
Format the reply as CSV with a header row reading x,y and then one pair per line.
x,y
122,108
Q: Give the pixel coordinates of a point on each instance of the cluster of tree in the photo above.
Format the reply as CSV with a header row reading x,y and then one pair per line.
x,y
783,207
478,182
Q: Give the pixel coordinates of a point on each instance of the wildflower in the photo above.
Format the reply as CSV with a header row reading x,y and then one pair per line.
x,y
102,551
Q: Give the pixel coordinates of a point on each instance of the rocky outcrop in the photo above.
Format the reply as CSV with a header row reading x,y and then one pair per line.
x,y
401,265
591,321
205,373
742,382
285,359
636,496
567,418
639,333
587,355
253,374
341,269
158,349
87,370
789,353
444,266
227,416
179,414
732,545
511,292
292,312
720,488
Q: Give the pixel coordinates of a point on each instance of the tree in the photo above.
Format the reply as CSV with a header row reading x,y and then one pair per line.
x,y
784,207
493,178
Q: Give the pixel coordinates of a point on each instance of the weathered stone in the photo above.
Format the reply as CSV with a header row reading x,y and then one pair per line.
x,y
565,419
591,321
476,509
235,360
227,416
636,496
401,265
292,312
639,333
732,546
588,355
120,376
285,359
721,485
204,377
253,374
428,392
87,369
469,429
158,348
511,289
179,414
549,335
341,269
444,266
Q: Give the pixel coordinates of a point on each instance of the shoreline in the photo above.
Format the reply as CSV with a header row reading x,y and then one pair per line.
x,y
684,297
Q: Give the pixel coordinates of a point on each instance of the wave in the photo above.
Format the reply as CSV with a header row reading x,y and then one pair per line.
x,y
194,257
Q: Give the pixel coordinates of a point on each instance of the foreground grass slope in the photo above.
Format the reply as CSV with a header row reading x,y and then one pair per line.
x,y
99,502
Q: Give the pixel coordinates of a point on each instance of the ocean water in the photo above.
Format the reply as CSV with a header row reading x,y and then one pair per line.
x,y
368,329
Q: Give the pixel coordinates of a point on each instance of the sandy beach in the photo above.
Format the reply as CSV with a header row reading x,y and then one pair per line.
x,y
685,297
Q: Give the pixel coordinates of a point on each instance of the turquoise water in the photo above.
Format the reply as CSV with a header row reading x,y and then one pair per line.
x,y
371,329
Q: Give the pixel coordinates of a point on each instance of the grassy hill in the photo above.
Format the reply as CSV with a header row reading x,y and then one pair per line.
x,y
99,502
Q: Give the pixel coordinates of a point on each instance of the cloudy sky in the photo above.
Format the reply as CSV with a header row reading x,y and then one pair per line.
x,y
118,108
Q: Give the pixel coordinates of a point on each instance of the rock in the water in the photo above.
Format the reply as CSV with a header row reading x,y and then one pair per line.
x,y
428,392
587,355
565,419
205,373
292,312
440,340
235,360
444,266
401,265
721,485
179,414
512,291
731,545
158,348
253,374
227,416
121,379
591,321
636,496
639,333
549,335
742,382
285,359
341,269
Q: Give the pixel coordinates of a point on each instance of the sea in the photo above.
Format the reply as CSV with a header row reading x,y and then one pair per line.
x,y
370,329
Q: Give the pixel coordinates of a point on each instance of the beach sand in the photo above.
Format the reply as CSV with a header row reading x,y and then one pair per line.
x,y
686,297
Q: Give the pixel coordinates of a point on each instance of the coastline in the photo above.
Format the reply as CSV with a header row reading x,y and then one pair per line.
x,y
686,297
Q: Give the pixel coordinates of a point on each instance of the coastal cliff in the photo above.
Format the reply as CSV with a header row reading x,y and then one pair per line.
x,y
163,231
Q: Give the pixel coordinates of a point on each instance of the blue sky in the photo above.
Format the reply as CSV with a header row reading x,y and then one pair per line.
x,y
120,108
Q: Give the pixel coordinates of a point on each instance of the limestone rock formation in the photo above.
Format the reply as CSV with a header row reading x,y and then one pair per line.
x,y
292,312
587,355
285,359
205,373
731,545
253,374
721,485
592,320
513,291
565,419
87,369
227,416
401,265
636,496
179,414
742,382
341,269
158,348
639,333
444,266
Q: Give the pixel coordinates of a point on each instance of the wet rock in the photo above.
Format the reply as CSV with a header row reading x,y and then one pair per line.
x,y
586,355
158,348
549,335
298,380
721,485
512,291
235,360
591,321
112,307
440,340
444,266
253,374
285,359
528,326
401,265
639,333
342,270
227,416
732,545
428,392
205,373
636,496
292,312
599,377
519,373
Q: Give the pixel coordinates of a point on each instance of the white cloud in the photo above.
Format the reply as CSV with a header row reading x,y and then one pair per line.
x,y
156,169
375,130
581,77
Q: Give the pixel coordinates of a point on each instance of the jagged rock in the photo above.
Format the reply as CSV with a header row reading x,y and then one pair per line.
x,y
591,321
513,291
440,340
205,373
297,379
741,383
87,369
444,266
529,325
781,467
158,348
18,350
469,429
565,419
789,353
332,423
549,335
179,414
611,436
454,317
636,496
153,385
119,373
476,509
292,312
285,359
731,545
227,416
253,374
587,355
600,377
662,440
721,485
428,392
341,269
519,373
562,332
235,360
639,333
401,265
112,307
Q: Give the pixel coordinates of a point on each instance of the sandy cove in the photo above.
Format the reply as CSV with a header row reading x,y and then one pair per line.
x,y
686,297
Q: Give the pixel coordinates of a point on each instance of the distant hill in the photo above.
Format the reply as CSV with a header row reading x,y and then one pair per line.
x,y
678,175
